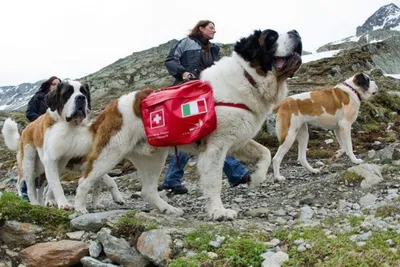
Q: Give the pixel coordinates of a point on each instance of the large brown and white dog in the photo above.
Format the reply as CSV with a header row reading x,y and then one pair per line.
x,y
254,76
47,144
335,109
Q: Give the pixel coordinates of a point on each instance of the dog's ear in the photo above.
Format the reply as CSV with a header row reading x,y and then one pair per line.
x,y
53,98
248,47
268,39
86,92
361,80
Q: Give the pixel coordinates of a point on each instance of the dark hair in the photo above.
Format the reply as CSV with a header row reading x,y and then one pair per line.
x,y
195,32
45,86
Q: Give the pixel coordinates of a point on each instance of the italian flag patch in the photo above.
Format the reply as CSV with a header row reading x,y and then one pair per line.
x,y
194,108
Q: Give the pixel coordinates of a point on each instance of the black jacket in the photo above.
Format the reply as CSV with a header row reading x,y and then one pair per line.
x,y
185,56
36,106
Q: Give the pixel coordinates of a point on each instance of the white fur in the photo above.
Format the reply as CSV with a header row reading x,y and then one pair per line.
x,y
235,129
11,134
62,142
340,123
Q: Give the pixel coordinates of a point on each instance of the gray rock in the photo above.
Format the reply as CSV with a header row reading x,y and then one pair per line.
x,y
371,173
90,262
95,248
258,212
76,235
119,251
305,214
18,234
156,246
95,221
367,200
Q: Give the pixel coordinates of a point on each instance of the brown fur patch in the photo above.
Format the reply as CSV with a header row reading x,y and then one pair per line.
x,y
328,100
142,94
107,124
33,135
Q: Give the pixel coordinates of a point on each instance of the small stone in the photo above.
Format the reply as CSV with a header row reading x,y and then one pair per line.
x,y
305,214
298,241
367,200
212,255
361,244
95,248
76,235
301,248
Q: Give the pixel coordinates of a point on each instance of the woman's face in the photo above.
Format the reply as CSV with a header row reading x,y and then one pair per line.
x,y
53,84
208,31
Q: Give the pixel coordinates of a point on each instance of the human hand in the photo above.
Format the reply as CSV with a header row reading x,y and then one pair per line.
x,y
186,75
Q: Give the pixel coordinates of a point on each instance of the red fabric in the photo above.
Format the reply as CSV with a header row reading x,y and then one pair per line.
x,y
169,119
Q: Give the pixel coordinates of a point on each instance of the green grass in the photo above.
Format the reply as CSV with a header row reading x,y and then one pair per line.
x,y
240,248
12,207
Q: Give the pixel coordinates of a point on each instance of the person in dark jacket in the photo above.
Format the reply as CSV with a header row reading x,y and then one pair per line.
x,y
36,107
37,104
187,59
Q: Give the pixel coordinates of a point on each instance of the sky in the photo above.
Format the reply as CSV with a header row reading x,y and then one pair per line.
x,y
74,38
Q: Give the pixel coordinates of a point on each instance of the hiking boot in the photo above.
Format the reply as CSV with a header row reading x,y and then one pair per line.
x,y
245,179
178,190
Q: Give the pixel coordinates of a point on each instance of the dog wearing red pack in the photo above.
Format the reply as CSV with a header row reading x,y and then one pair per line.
x,y
246,85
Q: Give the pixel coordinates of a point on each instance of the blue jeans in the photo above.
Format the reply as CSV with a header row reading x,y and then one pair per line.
x,y
24,188
233,169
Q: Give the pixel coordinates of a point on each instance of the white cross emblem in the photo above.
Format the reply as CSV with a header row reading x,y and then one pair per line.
x,y
157,118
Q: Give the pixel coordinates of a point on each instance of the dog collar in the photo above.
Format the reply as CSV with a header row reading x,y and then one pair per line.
x,y
354,90
249,78
234,105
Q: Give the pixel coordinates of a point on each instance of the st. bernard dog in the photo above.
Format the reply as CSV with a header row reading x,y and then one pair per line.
x,y
254,76
47,144
334,108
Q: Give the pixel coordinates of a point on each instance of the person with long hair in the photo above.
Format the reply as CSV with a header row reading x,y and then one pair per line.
x,y
36,107
186,60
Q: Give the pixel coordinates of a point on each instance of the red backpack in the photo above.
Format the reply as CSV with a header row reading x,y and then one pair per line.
x,y
180,114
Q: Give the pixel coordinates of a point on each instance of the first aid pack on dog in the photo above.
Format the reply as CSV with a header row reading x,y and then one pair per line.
x,y
179,114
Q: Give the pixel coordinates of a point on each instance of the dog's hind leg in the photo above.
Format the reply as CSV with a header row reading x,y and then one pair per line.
x,y
108,183
28,172
210,163
97,167
282,150
149,170
302,139
255,152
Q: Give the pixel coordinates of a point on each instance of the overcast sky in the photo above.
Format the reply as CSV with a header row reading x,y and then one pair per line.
x,y
73,38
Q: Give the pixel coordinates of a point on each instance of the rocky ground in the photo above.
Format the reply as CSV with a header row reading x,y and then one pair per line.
x,y
279,223
344,216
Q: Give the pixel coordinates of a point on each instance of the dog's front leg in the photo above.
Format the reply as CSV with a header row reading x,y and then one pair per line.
x,y
255,152
345,135
210,163
51,167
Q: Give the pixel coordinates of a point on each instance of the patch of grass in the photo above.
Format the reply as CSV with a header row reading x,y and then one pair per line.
x,y
349,177
12,207
130,227
340,251
239,248
387,211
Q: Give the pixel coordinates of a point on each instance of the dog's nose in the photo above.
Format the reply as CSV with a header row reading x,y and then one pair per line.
x,y
294,34
80,98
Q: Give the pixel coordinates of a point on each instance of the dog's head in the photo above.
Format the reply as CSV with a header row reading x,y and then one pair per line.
x,y
269,51
71,100
363,85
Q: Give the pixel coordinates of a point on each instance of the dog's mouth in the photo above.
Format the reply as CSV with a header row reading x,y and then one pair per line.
x,y
78,116
281,63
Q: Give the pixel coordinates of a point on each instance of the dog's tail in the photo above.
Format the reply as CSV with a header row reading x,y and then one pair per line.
x,y
142,94
11,134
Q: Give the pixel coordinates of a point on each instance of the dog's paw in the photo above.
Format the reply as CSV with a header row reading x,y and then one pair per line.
x,y
50,203
170,210
315,170
357,161
222,214
100,207
279,178
119,200
65,206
